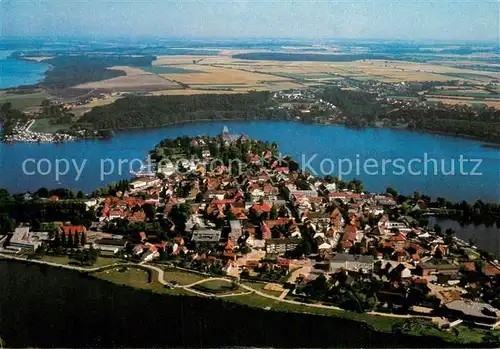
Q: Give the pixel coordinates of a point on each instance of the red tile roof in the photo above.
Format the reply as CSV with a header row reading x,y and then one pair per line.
x,y
398,237
266,231
229,245
73,229
263,207
346,244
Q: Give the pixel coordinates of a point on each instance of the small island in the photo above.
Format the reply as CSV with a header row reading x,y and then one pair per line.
x,y
228,217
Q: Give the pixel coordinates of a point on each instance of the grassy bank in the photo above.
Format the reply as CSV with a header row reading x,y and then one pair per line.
x,y
138,278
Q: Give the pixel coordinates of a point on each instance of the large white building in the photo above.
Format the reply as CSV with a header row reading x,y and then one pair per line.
x,y
24,239
206,235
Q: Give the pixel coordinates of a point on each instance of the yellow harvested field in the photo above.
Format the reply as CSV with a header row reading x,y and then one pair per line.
x,y
467,101
461,89
178,59
389,71
214,89
222,73
136,80
79,110
190,92
467,62
216,75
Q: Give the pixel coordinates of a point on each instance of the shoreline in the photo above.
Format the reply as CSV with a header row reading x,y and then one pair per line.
x,y
484,143
35,85
376,322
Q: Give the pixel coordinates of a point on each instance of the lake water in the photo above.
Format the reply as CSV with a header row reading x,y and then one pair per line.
x,y
15,72
302,141
487,238
46,307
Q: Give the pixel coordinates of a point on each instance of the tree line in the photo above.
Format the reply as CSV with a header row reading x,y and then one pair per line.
x,y
151,111
363,109
71,70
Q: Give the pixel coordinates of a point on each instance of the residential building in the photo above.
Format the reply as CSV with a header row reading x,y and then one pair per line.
x,y
206,235
26,240
354,263
236,231
276,247
111,246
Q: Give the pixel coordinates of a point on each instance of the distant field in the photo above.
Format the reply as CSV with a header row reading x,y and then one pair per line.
x,y
163,69
83,108
251,69
404,97
381,70
217,86
23,101
220,76
465,93
309,57
188,59
189,92
136,80
473,76
465,100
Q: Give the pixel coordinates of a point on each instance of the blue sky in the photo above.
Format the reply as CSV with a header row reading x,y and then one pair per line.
x,y
476,20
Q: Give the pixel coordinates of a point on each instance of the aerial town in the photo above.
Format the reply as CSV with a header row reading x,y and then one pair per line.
x,y
255,217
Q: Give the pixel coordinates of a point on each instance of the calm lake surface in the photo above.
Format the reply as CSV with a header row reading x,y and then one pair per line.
x,y
15,72
302,141
487,238
46,307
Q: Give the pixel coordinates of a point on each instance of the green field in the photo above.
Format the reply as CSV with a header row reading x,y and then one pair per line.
x,y
45,125
163,69
138,278
404,97
479,105
147,280
378,322
181,277
459,334
460,93
216,287
322,76
65,260
469,76
23,101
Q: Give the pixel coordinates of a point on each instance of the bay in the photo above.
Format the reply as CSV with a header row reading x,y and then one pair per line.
x,y
486,238
16,72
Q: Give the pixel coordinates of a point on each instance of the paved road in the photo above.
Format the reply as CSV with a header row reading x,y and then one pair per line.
x,y
161,279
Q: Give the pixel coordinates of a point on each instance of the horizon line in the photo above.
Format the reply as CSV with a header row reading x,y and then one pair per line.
x,y
96,37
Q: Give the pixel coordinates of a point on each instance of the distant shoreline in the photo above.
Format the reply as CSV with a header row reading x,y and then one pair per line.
x,y
484,144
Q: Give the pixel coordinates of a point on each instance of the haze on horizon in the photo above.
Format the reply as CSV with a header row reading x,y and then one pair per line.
x,y
434,20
